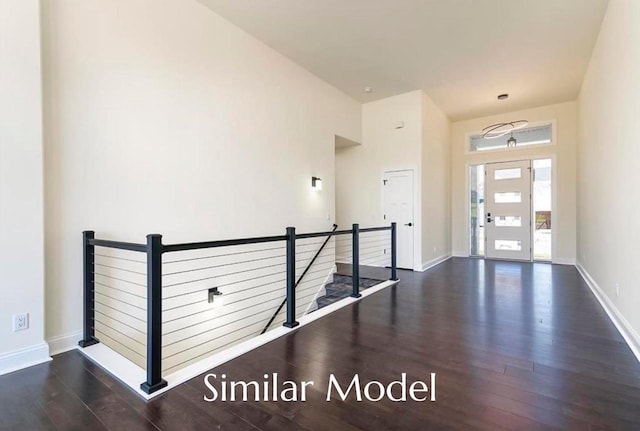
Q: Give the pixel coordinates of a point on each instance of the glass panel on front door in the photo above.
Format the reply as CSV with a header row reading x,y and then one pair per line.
x,y
507,174
508,245
508,221
507,197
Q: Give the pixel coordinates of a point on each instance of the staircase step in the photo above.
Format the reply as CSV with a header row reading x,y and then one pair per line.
x,y
333,289
341,288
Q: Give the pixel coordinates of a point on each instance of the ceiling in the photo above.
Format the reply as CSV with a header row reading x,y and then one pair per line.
x,y
463,53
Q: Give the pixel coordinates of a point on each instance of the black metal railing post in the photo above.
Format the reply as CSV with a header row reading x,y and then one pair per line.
x,y
154,315
355,273
88,290
394,252
306,270
291,278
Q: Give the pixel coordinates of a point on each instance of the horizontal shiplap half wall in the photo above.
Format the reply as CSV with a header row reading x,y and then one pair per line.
x,y
216,298
344,248
120,306
374,248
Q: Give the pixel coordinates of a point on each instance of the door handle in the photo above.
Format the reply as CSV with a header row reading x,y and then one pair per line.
x,y
408,224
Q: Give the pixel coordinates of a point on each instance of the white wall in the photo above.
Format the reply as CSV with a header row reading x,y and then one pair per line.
x,y
609,160
21,195
162,117
422,145
564,116
436,183
360,169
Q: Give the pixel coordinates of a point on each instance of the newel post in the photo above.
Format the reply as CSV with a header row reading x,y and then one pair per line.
x,y
394,252
154,380
355,273
88,290
291,278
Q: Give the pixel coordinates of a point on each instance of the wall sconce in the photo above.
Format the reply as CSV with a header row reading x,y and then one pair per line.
x,y
213,292
316,183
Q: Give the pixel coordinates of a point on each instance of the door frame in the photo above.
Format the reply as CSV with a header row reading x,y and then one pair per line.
x,y
554,197
417,212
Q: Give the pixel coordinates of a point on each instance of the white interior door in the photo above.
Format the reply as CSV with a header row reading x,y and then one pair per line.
x,y
398,208
508,210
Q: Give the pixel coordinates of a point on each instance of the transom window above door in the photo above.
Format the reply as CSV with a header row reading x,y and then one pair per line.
x,y
528,136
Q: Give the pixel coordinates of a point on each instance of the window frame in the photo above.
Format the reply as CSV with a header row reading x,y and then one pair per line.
x,y
551,123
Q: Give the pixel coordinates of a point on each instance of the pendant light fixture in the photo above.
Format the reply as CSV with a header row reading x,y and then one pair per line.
x,y
499,130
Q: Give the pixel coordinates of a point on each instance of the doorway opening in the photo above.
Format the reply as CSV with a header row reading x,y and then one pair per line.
x,y
510,210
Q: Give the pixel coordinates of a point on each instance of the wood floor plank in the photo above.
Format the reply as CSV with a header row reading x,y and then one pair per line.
x,y
18,409
64,408
111,409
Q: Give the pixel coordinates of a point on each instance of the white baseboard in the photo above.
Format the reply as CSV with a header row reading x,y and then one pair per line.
x,y
23,358
564,261
433,262
626,330
64,343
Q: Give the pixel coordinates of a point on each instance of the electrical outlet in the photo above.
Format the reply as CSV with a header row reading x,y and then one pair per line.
x,y
617,290
20,322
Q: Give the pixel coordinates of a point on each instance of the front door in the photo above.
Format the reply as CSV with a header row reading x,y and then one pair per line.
x,y
508,210
398,208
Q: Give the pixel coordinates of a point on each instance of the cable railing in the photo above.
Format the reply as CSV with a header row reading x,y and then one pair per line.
x,y
166,306
309,261
375,249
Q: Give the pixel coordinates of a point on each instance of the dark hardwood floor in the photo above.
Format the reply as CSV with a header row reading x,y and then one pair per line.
x,y
515,346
